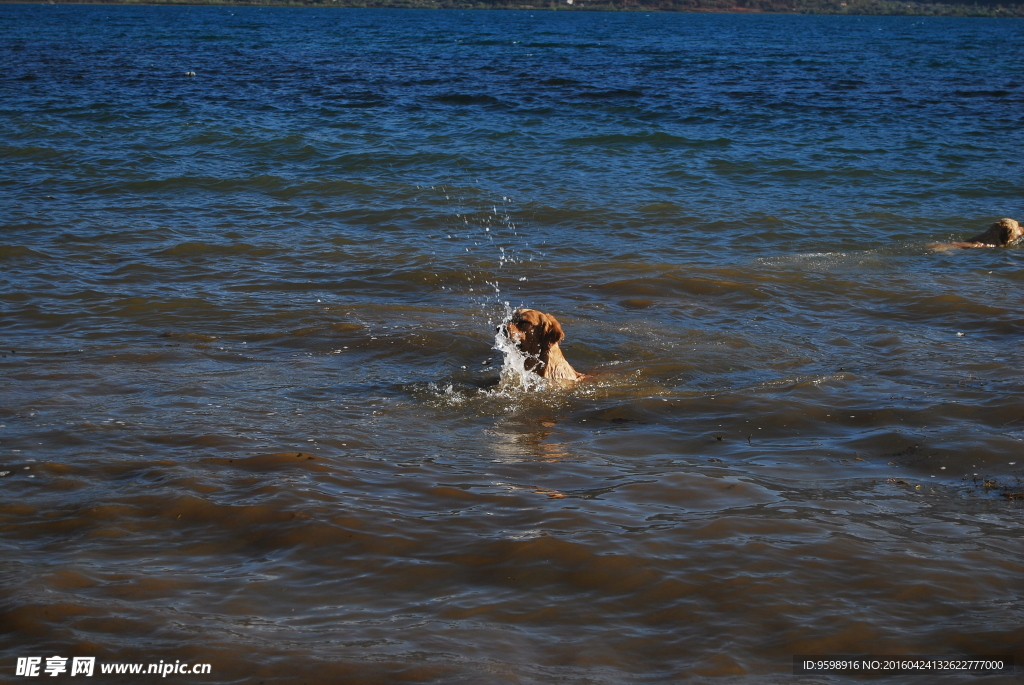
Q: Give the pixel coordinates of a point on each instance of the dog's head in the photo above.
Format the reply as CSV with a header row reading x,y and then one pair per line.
x,y
1002,232
1009,231
533,332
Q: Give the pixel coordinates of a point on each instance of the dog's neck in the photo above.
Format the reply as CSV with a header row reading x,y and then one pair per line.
x,y
555,367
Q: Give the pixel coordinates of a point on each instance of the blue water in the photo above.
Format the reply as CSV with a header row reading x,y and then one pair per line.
x,y
250,412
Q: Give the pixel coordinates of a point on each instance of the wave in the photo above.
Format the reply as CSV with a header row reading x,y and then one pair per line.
x,y
467,99
14,252
194,249
35,153
657,139
616,93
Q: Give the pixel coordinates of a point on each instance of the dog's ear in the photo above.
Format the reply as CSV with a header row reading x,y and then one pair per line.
x,y
1009,231
1003,231
551,331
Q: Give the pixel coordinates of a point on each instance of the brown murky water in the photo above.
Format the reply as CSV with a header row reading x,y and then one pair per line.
x,y
251,411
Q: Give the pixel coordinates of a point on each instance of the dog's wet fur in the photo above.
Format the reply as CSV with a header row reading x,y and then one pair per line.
x,y
537,335
1000,234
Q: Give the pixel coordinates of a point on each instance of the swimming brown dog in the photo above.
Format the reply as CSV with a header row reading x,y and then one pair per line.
x,y
999,234
537,335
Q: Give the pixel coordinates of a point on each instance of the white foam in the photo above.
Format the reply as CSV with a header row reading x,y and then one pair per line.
x,y
514,376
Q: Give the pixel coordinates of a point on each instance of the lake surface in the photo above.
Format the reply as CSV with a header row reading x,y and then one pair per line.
x,y
250,410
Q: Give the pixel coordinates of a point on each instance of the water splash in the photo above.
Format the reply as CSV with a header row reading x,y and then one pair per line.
x,y
477,228
514,377
480,228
